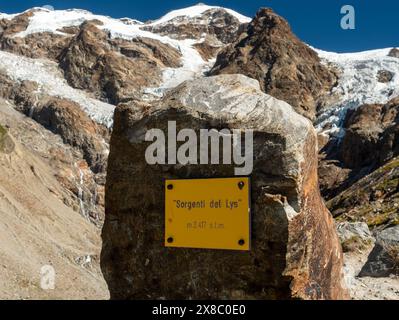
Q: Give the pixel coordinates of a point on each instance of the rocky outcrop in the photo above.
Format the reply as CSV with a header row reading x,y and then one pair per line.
x,y
394,53
40,45
62,117
371,135
6,143
37,46
90,62
384,259
15,25
295,249
66,118
385,76
286,68
361,182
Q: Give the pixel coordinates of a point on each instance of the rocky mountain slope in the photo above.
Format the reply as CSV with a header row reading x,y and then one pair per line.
x,y
285,66
63,72
38,219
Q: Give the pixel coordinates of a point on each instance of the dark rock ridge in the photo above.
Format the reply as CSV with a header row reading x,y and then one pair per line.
x,y
295,249
285,66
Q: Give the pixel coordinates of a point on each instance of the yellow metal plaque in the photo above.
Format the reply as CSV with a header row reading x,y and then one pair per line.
x,y
208,214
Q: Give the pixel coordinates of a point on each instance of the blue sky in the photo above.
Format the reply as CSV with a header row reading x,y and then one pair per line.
x,y
315,21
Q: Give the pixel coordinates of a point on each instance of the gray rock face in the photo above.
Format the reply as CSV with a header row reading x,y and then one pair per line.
x,y
355,236
384,259
348,230
295,249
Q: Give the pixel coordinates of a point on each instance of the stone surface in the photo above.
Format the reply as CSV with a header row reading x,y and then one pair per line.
x,y
286,67
295,249
383,261
354,236
347,230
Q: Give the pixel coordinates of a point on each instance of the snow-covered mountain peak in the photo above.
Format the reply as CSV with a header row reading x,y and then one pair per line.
x,y
195,11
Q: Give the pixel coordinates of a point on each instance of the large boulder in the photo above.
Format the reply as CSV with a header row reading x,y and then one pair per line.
x,y
286,68
354,236
384,259
295,250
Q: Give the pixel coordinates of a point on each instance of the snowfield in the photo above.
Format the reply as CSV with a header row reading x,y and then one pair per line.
x,y
358,84
52,83
7,16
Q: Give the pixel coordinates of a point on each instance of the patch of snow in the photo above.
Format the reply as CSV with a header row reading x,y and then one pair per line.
x,y
195,11
44,20
358,84
51,82
7,16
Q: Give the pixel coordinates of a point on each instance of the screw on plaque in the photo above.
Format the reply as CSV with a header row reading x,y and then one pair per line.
x,y
241,242
241,185
170,186
170,240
